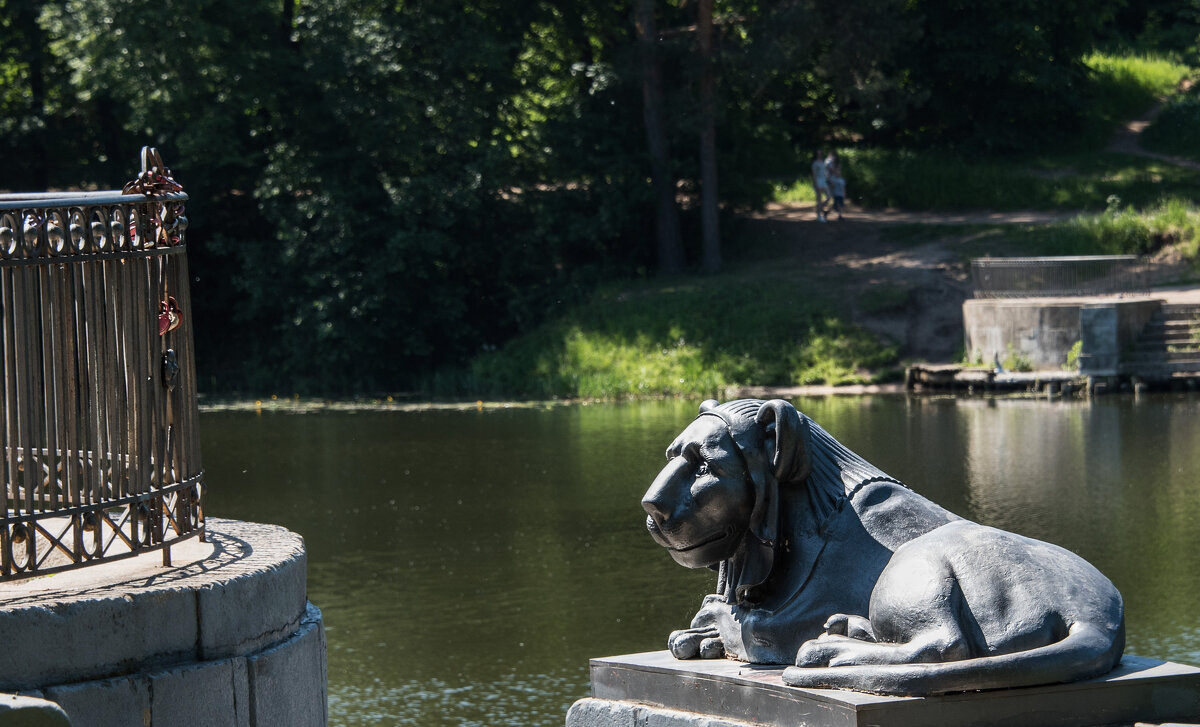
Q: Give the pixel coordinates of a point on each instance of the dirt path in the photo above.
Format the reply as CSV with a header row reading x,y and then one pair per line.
x,y
909,293
807,212
1128,140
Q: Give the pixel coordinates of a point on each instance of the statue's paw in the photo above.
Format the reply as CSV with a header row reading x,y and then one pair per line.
x,y
820,651
836,624
699,642
712,648
855,627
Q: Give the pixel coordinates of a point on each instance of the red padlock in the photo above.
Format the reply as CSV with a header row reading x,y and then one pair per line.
x,y
170,316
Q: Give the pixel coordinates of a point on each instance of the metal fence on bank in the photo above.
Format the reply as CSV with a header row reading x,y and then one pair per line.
x,y
1024,277
101,450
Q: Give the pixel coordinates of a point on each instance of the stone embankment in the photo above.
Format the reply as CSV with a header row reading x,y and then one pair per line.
x,y
225,637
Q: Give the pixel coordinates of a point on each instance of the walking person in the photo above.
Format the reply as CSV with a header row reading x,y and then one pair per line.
x,y
820,181
837,183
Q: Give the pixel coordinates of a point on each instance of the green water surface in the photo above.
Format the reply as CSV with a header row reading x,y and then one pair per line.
x,y
469,563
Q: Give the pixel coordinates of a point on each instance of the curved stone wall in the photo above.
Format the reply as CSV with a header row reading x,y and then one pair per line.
x,y
226,636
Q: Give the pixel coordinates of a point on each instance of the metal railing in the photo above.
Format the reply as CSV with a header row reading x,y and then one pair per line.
x,y
1027,277
101,451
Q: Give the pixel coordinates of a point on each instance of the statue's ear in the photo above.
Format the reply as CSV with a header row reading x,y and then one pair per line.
x,y
785,441
709,405
675,449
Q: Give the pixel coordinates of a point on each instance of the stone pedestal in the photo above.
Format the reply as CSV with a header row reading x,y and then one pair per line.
x,y
656,690
224,637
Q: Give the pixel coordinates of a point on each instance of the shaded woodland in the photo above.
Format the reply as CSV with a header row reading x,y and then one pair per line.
x,y
381,191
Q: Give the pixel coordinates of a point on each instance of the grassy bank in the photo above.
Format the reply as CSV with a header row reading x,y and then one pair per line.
x,y
1122,230
686,336
1119,230
1125,86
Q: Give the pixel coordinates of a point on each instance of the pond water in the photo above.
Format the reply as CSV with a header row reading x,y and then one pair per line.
x,y
469,563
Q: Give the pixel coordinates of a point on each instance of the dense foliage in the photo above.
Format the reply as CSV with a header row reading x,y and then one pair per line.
x,y
1002,75
384,190
1177,128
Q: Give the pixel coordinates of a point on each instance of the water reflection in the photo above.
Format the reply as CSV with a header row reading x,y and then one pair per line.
x,y
469,563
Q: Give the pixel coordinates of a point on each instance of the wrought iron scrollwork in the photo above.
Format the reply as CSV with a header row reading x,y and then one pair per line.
x,y
100,459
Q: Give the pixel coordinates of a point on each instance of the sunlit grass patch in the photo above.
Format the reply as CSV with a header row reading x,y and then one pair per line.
x,y
800,190
1126,86
687,338
1119,230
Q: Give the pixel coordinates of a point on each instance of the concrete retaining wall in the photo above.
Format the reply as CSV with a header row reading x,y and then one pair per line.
x,y
1108,329
1043,330
226,637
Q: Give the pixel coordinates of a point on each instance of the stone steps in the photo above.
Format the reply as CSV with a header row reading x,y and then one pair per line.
x,y
1174,338
1170,330
1162,369
1169,344
1179,362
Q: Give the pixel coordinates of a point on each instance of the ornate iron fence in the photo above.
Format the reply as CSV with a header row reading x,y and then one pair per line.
x,y
1024,277
101,451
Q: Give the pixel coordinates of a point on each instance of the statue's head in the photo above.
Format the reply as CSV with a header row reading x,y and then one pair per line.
x,y
718,496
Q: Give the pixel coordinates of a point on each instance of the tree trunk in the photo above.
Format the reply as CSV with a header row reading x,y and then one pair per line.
x,y
287,21
670,240
33,52
709,211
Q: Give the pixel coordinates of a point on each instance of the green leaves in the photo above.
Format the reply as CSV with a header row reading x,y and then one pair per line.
x,y
384,190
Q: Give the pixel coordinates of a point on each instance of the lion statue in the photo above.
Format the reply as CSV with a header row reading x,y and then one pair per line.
x,y
827,563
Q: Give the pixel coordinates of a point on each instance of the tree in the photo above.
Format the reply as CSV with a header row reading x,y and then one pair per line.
x,y
381,190
709,201
30,101
1001,76
670,240
1172,25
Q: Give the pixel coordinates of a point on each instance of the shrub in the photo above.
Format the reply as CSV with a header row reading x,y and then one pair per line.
x,y
1016,361
1177,128
1072,363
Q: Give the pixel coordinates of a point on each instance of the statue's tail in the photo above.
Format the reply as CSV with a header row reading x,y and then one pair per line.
x,y
1087,651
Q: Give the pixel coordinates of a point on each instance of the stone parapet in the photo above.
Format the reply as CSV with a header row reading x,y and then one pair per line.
x,y
207,641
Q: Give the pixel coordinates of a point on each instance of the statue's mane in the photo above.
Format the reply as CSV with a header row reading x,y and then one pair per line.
x,y
837,472
836,468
